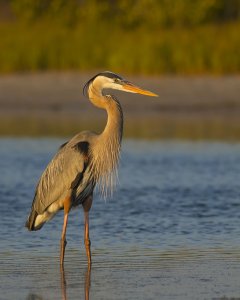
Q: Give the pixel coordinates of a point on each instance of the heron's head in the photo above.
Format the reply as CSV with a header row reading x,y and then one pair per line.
x,y
109,80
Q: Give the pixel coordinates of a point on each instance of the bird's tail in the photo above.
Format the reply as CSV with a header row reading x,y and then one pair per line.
x,y
31,221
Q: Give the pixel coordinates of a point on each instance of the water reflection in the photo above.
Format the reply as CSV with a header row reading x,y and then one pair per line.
x,y
115,271
152,271
64,284
87,283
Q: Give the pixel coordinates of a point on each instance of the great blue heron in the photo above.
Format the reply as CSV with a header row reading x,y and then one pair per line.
x,y
84,161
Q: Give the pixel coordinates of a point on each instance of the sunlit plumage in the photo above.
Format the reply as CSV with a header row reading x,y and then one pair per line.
x,y
86,160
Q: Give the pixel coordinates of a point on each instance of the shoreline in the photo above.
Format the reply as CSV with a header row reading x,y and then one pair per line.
x,y
48,104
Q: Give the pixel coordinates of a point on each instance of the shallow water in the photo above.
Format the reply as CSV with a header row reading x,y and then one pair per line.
x,y
171,231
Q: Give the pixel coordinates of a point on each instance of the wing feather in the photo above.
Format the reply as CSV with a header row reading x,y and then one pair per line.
x,y
63,172
63,175
58,177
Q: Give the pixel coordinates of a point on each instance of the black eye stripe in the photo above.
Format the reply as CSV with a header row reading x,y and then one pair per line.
x,y
116,78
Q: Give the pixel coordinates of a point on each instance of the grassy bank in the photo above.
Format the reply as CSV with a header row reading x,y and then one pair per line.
x,y
46,45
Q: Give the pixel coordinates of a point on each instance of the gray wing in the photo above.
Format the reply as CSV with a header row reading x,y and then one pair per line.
x,y
58,177
61,175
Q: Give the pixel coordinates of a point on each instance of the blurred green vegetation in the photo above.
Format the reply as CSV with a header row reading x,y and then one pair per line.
x,y
134,36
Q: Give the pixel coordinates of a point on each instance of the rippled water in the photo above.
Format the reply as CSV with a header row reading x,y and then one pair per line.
x,y
171,231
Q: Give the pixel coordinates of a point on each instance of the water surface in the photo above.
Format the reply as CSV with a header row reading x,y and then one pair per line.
x,y
171,231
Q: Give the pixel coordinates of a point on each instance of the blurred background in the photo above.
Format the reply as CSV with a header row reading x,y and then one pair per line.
x,y
186,51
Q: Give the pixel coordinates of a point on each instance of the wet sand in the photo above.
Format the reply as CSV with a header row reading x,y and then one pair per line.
x,y
187,107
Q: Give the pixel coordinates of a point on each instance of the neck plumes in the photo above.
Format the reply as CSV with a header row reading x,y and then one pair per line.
x,y
105,152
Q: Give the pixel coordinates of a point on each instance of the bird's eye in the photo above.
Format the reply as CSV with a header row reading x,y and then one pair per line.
x,y
117,80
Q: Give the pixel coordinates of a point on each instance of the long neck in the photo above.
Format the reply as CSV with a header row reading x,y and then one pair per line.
x,y
114,126
109,103
106,151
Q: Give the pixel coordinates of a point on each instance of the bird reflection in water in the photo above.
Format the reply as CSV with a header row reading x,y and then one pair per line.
x,y
87,283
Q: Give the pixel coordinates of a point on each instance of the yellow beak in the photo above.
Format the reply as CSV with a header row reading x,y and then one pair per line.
x,y
135,89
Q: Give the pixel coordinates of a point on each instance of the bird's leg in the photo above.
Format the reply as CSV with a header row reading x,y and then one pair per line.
x,y
63,242
86,238
86,206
